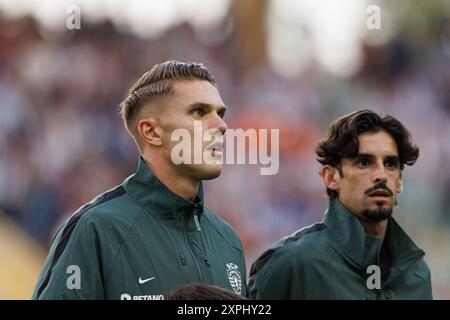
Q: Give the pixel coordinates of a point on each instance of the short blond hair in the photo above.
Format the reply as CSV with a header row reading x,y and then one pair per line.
x,y
158,81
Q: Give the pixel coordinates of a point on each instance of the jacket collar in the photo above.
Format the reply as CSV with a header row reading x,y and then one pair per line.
x,y
155,198
349,237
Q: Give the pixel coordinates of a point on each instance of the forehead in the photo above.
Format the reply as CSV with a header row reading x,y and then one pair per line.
x,y
187,92
377,143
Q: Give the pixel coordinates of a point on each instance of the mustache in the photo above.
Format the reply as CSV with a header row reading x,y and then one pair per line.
x,y
380,185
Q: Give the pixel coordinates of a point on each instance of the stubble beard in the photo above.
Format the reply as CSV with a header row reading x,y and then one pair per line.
x,y
380,213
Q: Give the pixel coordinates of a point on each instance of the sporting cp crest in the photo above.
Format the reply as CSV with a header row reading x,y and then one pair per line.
x,y
235,277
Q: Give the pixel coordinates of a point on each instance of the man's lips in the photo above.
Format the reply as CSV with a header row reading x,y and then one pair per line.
x,y
380,190
379,193
216,148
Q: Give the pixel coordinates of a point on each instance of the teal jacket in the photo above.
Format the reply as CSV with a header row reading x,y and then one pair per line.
x,y
330,260
140,241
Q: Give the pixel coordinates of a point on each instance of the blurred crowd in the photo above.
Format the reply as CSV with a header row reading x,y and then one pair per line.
x,y
62,141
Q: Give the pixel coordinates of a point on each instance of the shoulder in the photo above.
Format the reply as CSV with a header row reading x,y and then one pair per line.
x,y
300,248
222,228
422,270
276,274
112,207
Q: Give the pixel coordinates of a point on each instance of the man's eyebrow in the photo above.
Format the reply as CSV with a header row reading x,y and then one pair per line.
x,y
364,156
200,105
206,106
392,158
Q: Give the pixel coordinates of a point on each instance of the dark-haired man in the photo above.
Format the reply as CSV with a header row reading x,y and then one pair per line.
x,y
152,233
358,251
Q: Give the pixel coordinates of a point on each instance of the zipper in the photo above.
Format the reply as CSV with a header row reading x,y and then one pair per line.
x,y
208,265
191,252
206,261
201,272
196,211
184,264
197,224
203,255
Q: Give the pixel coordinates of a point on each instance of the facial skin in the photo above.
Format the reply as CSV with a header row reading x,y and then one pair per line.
x,y
371,181
189,101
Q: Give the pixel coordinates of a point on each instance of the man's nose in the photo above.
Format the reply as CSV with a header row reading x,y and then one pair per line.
x,y
380,174
219,124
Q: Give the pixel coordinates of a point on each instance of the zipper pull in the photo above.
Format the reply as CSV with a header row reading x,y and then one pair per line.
x,y
197,223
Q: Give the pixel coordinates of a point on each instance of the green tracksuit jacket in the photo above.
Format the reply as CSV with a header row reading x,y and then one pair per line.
x,y
140,241
330,260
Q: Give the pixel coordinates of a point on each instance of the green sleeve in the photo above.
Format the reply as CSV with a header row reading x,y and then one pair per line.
x,y
73,268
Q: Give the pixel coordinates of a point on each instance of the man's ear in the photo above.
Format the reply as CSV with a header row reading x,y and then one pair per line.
x,y
330,176
149,131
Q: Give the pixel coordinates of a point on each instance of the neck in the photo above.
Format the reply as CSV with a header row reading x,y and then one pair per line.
x,y
185,187
377,229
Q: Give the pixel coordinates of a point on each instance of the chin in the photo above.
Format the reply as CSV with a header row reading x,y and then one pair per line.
x,y
212,172
377,212
205,171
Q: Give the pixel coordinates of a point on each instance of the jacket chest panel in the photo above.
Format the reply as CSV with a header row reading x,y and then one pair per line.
x,y
146,267
338,279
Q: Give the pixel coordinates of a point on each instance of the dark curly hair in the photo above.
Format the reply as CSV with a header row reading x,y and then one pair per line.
x,y
203,291
341,139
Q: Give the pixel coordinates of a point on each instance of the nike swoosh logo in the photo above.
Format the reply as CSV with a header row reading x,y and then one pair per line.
x,y
145,280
